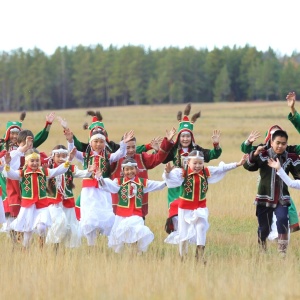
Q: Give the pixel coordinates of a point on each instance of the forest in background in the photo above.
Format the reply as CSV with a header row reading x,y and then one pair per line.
x,y
132,75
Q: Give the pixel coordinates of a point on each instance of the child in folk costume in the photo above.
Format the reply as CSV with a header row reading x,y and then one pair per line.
x,y
272,193
111,147
34,213
129,226
247,147
185,143
192,211
65,226
96,205
11,188
144,162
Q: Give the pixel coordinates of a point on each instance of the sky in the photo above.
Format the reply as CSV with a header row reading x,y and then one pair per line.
x,y
156,24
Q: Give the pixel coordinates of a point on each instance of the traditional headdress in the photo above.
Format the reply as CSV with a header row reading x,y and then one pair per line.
x,y
199,155
185,124
33,155
129,164
270,132
14,126
97,123
60,151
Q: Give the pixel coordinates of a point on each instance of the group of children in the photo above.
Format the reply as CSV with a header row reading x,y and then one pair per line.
x,y
37,191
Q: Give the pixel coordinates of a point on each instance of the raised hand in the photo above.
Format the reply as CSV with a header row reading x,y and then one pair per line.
x,y
50,118
253,136
274,163
258,150
72,154
7,158
291,99
216,136
28,144
62,122
243,160
170,134
155,143
69,135
168,167
128,136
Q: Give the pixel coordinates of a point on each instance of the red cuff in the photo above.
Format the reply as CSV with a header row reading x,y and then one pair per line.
x,y
148,147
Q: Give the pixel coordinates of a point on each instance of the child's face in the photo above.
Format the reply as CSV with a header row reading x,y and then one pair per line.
x,y
196,164
33,163
131,148
98,145
60,158
13,137
279,144
129,171
185,139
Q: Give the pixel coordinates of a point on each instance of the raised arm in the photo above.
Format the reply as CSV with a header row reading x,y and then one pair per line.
x,y
41,137
246,146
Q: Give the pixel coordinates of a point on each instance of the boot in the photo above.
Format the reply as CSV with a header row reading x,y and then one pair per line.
x,y
262,245
282,247
200,254
13,236
20,236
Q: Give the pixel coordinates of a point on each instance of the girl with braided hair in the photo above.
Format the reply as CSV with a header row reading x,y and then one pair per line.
x,y
34,214
95,203
65,227
185,143
129,226
193,180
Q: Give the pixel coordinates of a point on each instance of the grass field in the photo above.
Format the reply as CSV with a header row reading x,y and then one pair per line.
x,y
235,268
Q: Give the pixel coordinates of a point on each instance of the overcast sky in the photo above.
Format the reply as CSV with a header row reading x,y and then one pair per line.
x,y
155,23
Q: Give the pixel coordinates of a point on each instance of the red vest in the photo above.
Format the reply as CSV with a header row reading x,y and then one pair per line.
x,y
116,173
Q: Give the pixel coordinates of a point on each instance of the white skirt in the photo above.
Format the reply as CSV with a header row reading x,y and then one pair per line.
x,y
65,227
73,238
29,217
130,230
192,227
96,211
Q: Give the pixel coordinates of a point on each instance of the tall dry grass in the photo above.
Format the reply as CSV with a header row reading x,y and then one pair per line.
x,y
235,268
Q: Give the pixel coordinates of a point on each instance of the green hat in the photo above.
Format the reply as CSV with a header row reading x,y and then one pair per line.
x,y
185,124
96,123
12,126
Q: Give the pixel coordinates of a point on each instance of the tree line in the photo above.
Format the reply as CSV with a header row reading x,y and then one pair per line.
x,y
97,77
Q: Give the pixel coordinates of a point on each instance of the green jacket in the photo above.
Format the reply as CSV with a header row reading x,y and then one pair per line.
x,y
295,120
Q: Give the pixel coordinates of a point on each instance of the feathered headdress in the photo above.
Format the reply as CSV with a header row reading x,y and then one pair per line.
x,y
96,123
184,123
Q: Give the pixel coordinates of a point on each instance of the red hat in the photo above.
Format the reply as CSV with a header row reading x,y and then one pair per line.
x,y
269,134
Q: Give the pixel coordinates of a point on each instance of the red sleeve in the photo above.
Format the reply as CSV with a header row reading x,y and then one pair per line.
x,y
148,147
152,160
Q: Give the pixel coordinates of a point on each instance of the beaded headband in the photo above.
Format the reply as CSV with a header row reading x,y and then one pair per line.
x,y
60,151
196,156
97,136
129,164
